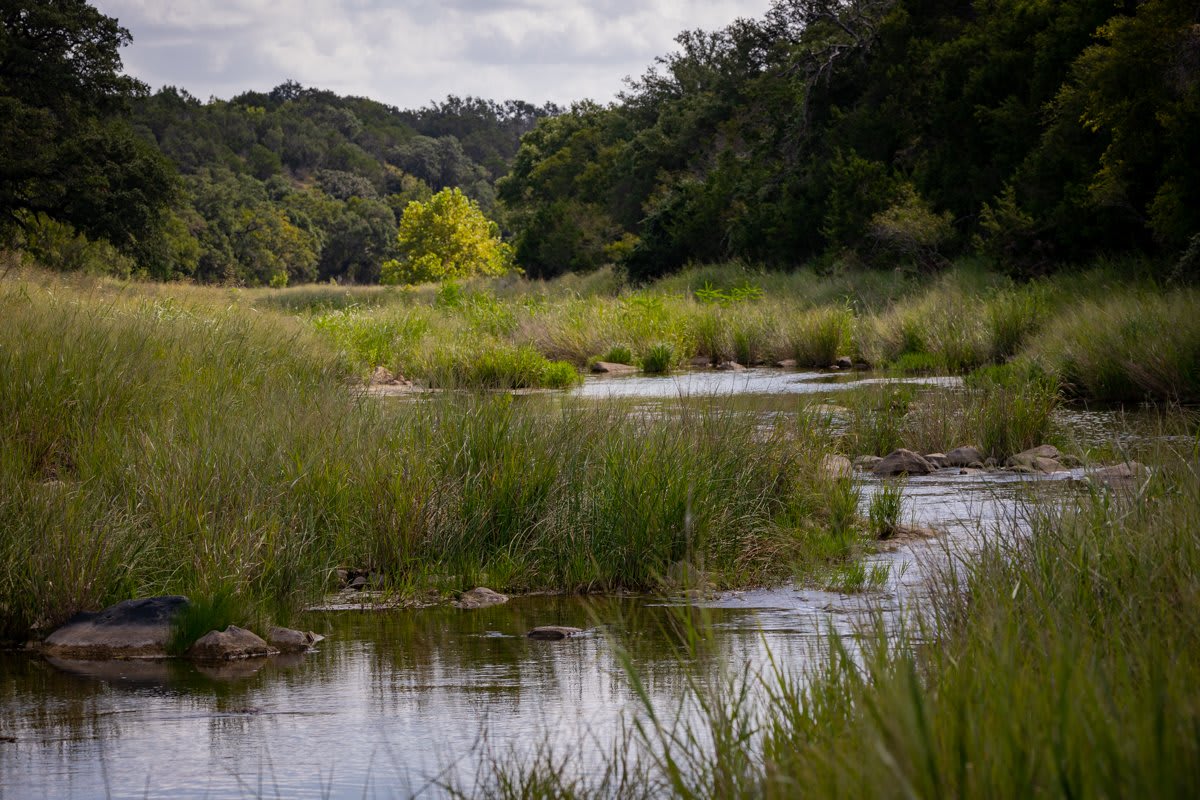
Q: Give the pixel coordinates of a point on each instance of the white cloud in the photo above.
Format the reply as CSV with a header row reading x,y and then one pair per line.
x,y
407,53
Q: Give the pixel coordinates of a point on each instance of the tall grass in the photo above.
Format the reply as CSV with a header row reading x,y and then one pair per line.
x,y
1055,664
153,446
1131,345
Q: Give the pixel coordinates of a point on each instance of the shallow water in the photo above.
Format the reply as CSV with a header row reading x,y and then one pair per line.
x,y
758,381
392,704
392,699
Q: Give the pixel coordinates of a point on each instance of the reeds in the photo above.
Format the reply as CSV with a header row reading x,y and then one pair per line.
x,y
157,446
1058,663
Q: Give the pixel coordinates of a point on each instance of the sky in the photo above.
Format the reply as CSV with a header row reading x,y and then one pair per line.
x,y
410,52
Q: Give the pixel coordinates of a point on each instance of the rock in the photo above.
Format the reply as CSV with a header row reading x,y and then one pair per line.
x,y
965,456
972,471
787,363
1043,458
834,467
384,377
1118,475
358,583
130,629
699,362
902,462
553,633
231,644
844,362
730,366
286,640
866,463
480,597
938,460
609,368
1028,458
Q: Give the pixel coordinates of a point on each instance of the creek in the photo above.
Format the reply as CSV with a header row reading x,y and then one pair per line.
x,y
395,703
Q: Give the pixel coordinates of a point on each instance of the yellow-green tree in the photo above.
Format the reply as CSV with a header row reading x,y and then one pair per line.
x,y
446,237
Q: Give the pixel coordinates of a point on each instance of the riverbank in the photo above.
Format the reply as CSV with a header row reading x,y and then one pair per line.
x,y
1057,661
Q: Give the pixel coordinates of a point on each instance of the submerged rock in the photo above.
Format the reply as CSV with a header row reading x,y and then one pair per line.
x,y
480,597
834,466
553,633
138,628
287,640
610,368
231,644
902,462
1118,475
965,456
730,366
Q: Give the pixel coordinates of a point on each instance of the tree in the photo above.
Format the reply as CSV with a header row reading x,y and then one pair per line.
x,y
69,151
448,237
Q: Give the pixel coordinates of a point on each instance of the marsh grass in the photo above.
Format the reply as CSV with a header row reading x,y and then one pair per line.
x,y
1102,332
1059,663
883,514
1129,346
1002,410
658,358
163,446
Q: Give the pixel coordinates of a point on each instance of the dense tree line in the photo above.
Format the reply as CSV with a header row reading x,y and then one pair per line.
x,y
1035,131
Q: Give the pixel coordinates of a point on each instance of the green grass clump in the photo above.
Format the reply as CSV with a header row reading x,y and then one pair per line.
x,y
817,337
883,515
1128,347
658,358
214,611
618,354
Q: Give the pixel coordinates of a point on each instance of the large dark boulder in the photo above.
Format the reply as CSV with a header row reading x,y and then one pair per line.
x,y
965,456
130,629
902,462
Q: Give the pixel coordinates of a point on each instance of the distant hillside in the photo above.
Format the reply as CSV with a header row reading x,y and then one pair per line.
x,y
306,184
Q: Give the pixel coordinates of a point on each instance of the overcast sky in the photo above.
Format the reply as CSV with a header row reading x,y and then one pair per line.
x,y
409,52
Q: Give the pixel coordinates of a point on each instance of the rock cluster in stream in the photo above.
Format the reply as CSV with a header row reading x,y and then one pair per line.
x,y
142,629
1044,459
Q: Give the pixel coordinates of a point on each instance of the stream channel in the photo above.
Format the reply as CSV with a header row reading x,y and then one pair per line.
x,y
392,704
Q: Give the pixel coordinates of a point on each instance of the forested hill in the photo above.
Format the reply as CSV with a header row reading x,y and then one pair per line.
x,y
305,183
883,131
1033,133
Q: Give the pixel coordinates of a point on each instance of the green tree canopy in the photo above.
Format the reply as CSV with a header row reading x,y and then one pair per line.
x,y
447,237
69,152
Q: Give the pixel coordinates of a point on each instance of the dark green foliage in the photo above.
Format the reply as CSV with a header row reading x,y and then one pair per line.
x,y
900,129
69,152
